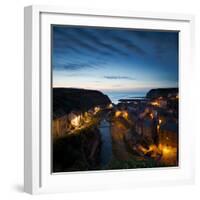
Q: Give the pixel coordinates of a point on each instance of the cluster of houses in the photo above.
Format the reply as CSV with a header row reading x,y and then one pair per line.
x,y
74,120
156,121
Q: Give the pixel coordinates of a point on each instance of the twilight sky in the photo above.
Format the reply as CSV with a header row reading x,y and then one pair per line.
x,y
111,59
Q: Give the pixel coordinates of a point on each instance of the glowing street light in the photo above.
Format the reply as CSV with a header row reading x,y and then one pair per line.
x,y
76,121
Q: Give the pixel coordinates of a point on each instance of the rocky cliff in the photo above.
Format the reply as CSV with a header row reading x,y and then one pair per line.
x,y
66,100
161,92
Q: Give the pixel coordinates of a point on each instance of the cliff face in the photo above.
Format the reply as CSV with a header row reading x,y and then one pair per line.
x,y
161,92
66,100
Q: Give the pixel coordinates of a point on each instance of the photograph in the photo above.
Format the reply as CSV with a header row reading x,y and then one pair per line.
x,y
114,98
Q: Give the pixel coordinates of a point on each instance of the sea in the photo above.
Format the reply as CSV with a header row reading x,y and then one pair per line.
x,y
115,96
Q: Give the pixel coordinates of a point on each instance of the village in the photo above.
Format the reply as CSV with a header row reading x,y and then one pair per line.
x,y
146,128
154,127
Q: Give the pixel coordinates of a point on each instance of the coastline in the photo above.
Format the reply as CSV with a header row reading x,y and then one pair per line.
x,y
115,96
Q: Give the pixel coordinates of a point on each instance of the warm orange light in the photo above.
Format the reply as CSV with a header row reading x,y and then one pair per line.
x,y
144,150
96,109
117,113
86,117
123,114
151,115
166,150
169,154
110,105
155,103
76,121
160,121
152,148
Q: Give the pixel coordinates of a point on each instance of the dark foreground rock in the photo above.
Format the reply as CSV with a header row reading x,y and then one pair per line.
x,y
77,152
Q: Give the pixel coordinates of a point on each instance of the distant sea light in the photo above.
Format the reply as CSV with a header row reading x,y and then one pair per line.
x,y
115,96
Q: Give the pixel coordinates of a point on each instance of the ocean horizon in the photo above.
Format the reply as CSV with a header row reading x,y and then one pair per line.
x,y
115,96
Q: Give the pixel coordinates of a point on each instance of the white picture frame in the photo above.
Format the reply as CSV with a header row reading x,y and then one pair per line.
x,y
37,144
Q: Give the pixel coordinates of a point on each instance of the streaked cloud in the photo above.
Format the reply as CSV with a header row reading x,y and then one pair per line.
x,y
119,77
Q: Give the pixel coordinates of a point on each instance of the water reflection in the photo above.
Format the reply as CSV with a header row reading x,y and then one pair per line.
x,y
106,147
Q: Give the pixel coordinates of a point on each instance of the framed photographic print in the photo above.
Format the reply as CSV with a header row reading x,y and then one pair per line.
x,y
107,101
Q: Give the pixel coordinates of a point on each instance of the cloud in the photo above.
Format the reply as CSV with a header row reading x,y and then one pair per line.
x,y
74,66
129,45
119,77
102,49
76,48
117,85
94,39
86,41
77,40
